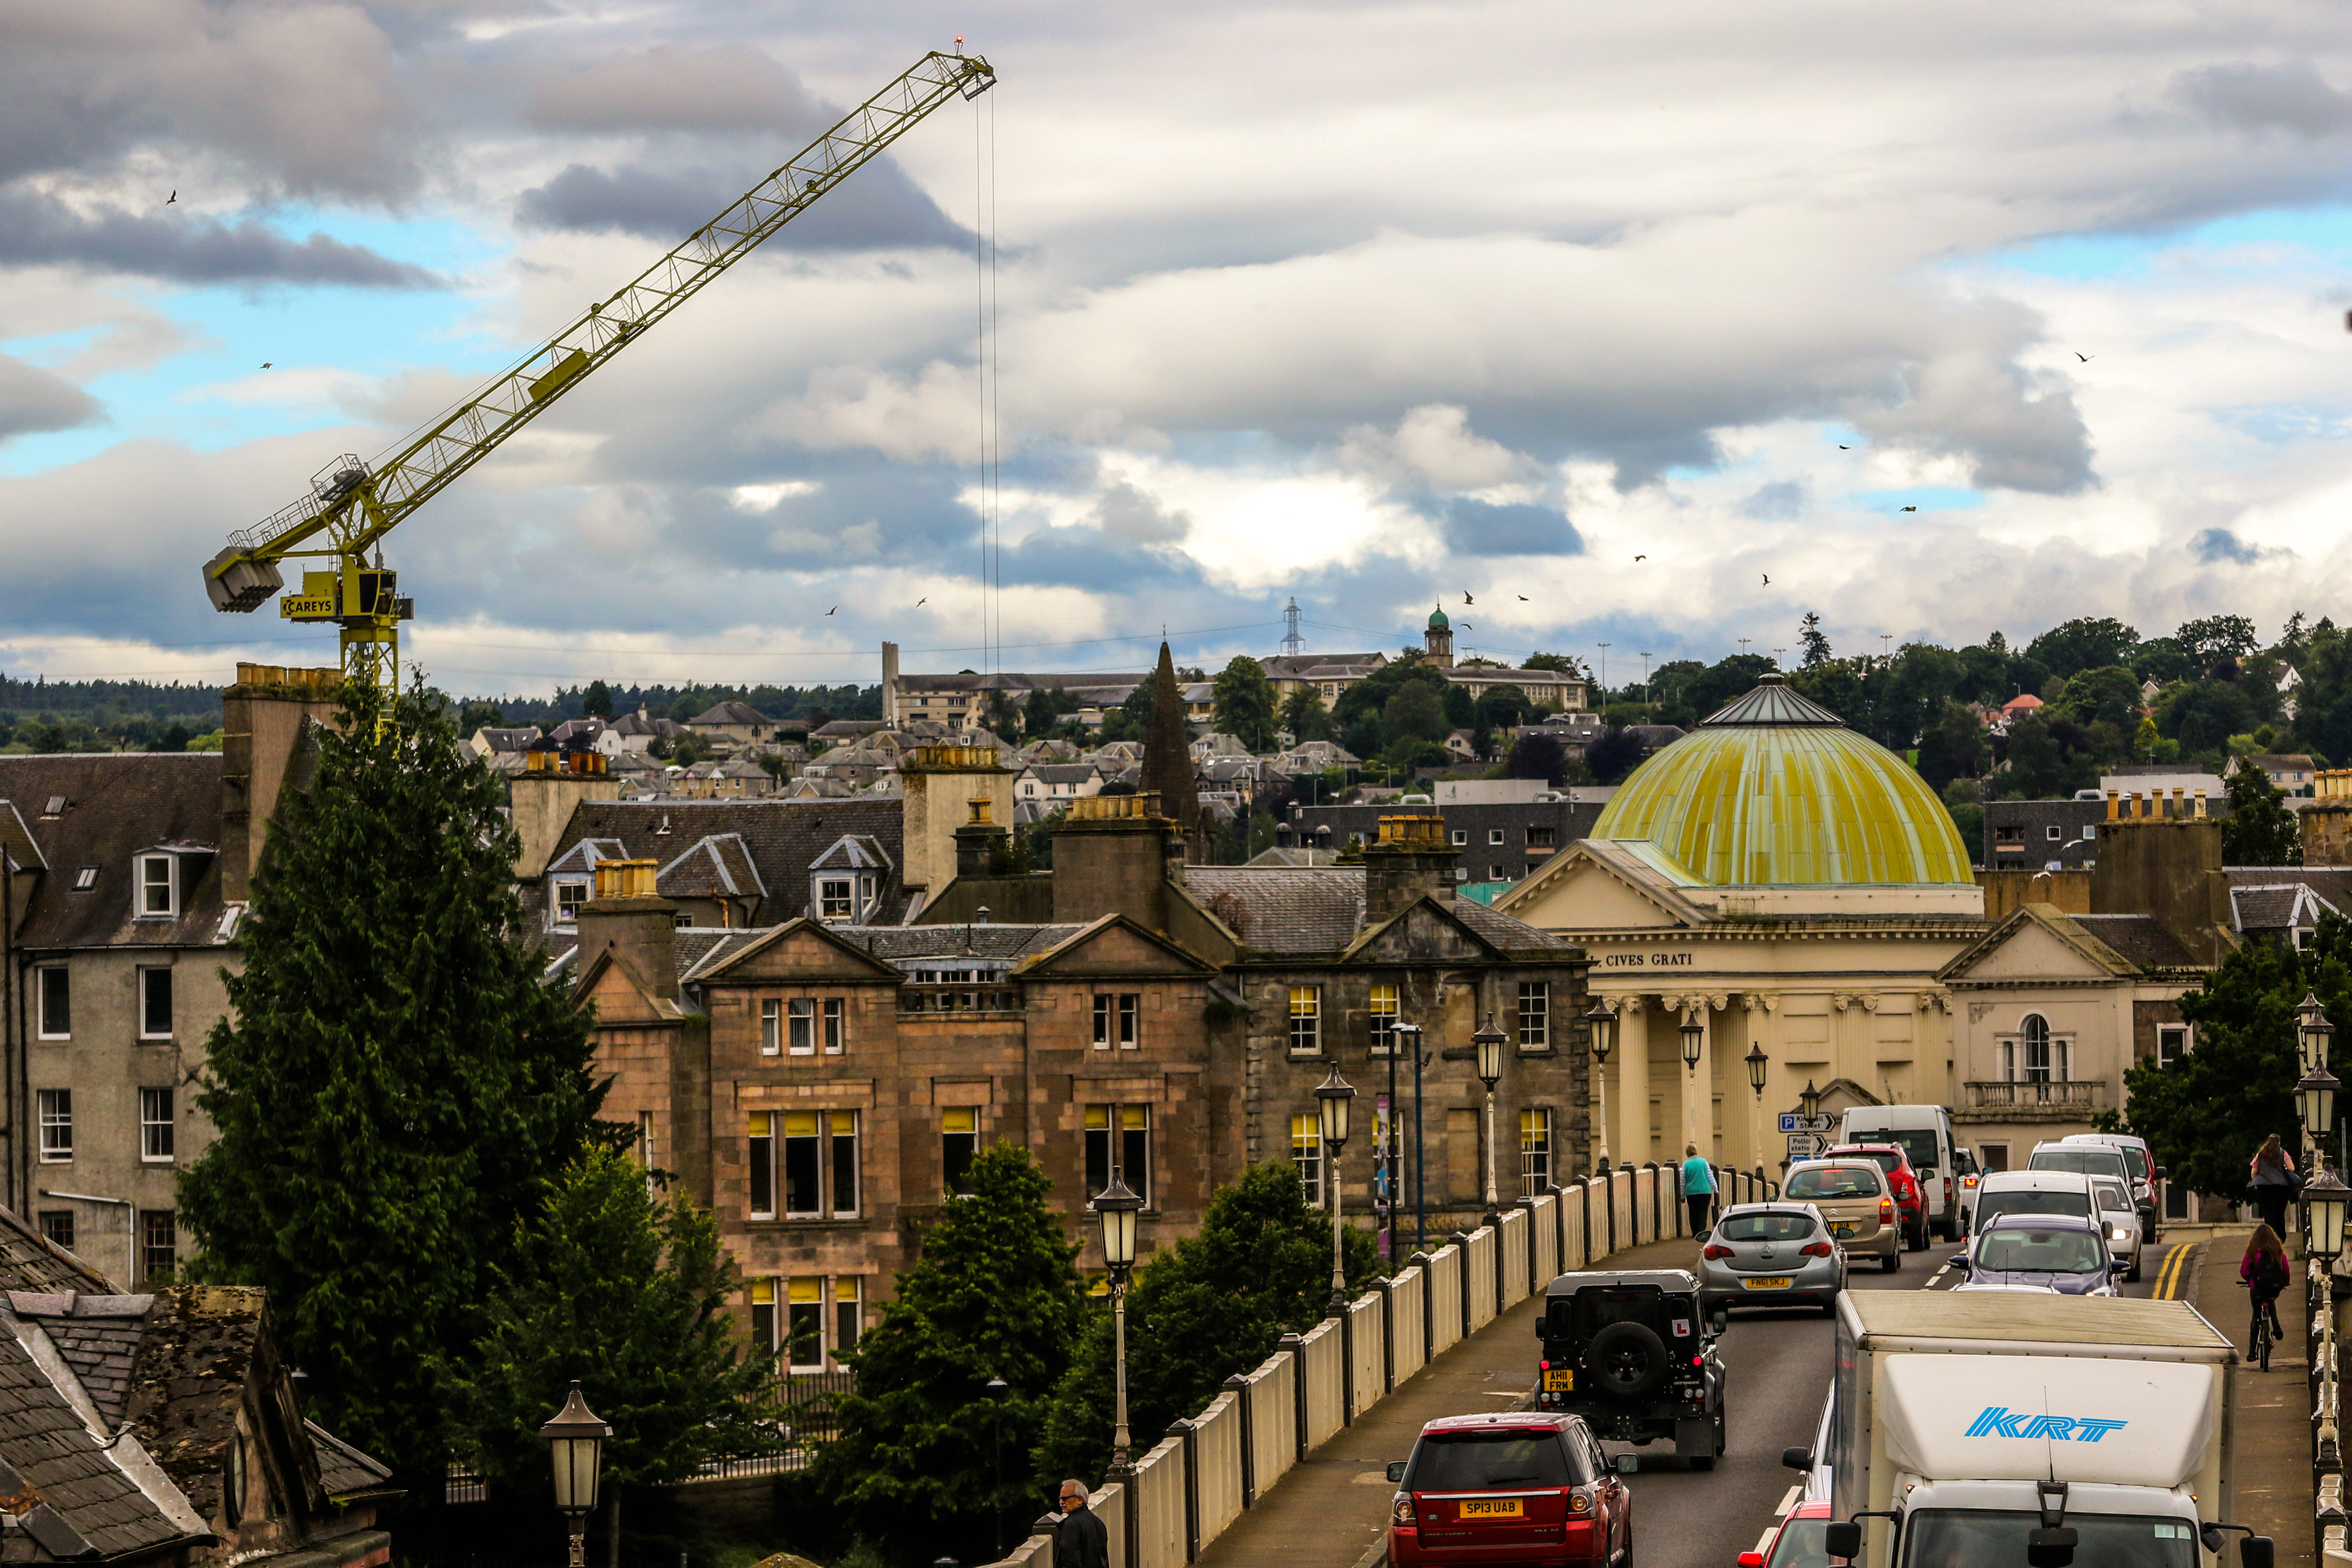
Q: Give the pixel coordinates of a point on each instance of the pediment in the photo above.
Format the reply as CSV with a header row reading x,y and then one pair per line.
x,y
1110,946
1580,893
800,949
1422,933
2031,945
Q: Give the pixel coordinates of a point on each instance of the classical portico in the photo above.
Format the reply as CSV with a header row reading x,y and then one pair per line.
x,y
1710,894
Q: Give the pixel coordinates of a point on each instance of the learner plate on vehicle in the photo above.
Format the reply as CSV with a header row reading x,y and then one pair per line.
x,y
1777,1282
1492,1508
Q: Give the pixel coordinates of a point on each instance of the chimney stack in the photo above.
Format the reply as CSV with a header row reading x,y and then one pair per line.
x,y
1114,854
262,719
1411,858
628,919
976,842
890,684
938,785
541,797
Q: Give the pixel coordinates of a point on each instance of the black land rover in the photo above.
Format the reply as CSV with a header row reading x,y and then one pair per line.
x,y
1629,1351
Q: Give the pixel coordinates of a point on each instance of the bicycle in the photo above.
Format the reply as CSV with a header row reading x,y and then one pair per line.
x,y
2258,1341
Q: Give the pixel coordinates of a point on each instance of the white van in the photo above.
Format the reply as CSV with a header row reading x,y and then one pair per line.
x,y
2030,1192
1925,1135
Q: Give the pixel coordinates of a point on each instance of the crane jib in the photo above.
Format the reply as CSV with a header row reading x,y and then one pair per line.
x,y
357,508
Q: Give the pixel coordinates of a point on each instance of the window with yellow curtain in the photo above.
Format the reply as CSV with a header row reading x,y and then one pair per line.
x,y
1306,1019
1134,1150
1535,1150
1381,1011
1306,1153
763,1314
804,1323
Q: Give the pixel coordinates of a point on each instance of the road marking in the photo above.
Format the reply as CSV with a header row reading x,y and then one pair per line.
x,y
2168,1273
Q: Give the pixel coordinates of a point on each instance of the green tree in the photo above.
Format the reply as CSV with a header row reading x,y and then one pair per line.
x,y
1043,710
2206,1113
1613,755
2261,829
597,702
994,1295
1415,713
1564,663
2203,714
1953,748
2040,766
1815,641
2109,694
1963,802
2164,661
1209,1307
1503,708
2084,643
2217,637
1242,702
1304,715
392,1083
1536,756
628,1294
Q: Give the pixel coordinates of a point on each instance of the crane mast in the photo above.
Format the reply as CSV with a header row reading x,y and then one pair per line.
x,y
353,504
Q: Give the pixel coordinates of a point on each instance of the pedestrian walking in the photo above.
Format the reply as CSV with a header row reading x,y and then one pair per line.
x,y
1079,1539
2271,1183
2263,1270
1698,1189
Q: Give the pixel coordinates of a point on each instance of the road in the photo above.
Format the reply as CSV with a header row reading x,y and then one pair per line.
x,y
1780,1365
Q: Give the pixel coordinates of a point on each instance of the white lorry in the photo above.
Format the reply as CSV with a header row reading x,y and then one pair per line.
x,y
1973,1429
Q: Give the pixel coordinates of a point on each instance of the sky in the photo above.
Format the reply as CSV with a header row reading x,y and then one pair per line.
x,y
1633,333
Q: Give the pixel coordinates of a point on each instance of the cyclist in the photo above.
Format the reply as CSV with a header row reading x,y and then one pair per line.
x,y
2263,1270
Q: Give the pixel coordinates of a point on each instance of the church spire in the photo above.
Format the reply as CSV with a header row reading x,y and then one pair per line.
x,y
1166,747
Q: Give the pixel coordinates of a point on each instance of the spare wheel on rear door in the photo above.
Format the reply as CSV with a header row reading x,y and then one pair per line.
x,y
1628,1360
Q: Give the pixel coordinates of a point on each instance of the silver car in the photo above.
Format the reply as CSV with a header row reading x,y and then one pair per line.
x,y
2119,1219
1770,1255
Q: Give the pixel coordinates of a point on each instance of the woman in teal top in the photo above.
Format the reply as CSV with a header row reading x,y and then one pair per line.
x,y
1698,1188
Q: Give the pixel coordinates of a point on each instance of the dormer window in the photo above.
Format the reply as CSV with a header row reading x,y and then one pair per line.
x,y
834,902
569,897
159,886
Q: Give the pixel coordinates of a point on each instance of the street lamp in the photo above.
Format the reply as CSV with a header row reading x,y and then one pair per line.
x,y
2324,1199
1489,1041
1810,1101
2313,1031
1693,1035
1333,1098
1603,1024
1757,1062
1117,1205
2315,1101
997,1389
575,1443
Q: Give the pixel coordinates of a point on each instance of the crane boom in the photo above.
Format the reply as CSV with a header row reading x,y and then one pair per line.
x,y
352,505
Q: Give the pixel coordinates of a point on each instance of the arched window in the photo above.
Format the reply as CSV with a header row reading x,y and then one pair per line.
x,y
2035,1040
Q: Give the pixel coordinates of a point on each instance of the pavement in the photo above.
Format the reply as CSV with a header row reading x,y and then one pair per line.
x,y
2271,1411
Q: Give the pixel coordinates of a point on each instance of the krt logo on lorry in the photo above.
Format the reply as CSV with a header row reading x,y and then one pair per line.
x,y
1998,1421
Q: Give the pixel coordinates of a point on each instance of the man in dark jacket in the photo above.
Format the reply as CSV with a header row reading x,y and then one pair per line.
x,y
1079,1540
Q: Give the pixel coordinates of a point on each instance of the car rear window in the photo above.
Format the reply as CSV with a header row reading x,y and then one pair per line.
x,y
2083,1162
2134,1159
2112,1197
1992,1205
1833,1182
1764,1227
1490,1461
2054,1251
1596,1307
1920,1144
1886,1160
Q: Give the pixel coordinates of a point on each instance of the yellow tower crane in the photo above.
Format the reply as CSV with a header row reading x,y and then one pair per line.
x,y
353,504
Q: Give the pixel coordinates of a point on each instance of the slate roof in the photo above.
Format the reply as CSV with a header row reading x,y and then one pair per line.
x,y
1293,909
2280,907
717,867
52,1451
98,1336
112,806
2140,941
1513,936
781,838
343,1470
731,713
2333,883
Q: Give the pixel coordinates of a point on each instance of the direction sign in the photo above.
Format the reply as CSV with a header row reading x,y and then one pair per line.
x,y
1793,1122
1804,1145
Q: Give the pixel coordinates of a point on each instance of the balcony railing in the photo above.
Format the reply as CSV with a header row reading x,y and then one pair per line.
x,y
2084,1095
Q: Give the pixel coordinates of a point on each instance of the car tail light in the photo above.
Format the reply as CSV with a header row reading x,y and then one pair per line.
x,y
1817,1249
1698,1360
1715,1249
1885,1210
1543,1366
1579,1503
1403,1512
1751,1559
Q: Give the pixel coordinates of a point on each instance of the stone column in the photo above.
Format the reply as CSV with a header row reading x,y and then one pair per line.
x,y
1629,1097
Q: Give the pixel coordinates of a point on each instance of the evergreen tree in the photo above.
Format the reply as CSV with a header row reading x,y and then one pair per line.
x,y
2261,829
597,702
2205,1113
392,1083
1209,1307
1244,702
995,1295
1305,717
1816,642
629,1296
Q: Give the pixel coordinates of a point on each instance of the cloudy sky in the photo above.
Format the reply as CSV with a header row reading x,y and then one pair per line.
x,y
1358,305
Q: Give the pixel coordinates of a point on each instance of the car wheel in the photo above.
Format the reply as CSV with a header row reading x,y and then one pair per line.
x,y
1893,1264
2131,1275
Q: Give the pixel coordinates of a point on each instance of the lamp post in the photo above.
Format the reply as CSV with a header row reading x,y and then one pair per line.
x,y
2325,1200
1603,1024
997,1387
1489,1041
1116,1206
1333,1098
1757,1064
1810,1101
2315,1101
1406,1035
2313,1031
575,1444
1693,1043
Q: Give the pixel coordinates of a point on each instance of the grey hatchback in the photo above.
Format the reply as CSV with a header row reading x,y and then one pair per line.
x,y
1770,1255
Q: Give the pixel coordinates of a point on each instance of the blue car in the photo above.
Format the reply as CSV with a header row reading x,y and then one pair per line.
x,y
2055,1252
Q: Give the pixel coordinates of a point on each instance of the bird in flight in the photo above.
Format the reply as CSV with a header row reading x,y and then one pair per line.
x,y
835,607
1640,558
1843,448
926,598
1768,579
1523,598
1469,600
2079,354
1910,509
266,363
1468,627
173,198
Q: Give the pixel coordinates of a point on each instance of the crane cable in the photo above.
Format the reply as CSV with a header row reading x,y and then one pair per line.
x,y
984,326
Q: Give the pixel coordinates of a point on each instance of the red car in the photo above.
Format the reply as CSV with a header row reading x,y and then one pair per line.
x,y
1532,1488
1800,1542
1910,1201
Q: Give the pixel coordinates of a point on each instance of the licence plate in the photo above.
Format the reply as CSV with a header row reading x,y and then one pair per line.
x,y
1493,1508
1842,1227
1559,1380
1778,1282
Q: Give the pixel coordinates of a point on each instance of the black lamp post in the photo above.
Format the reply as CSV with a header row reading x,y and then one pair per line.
x,y
997,1387
1333,1098
575,1443
1810,1102
1603,1024
1693,1035
1758,1065
2313,1031
2324,1201
2315,1101
1489,1041
1116,1206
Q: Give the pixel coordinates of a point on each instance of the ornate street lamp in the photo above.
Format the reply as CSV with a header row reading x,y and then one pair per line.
x,y
2325,1200
1757,1063
2313,1031
2315,1101
1333,1098
1489,1041
575,1443
1117,1207
1694,1034
1604,1026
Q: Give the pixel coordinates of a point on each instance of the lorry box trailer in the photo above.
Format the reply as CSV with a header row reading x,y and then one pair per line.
x,y
1963,1422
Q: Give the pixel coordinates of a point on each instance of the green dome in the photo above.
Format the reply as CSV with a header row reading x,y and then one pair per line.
x,y
1437,621
1775,791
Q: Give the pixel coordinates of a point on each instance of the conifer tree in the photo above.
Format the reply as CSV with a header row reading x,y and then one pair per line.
x,y
993,1296
393,1081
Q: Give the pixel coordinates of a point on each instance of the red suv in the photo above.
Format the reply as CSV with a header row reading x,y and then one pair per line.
x,y
1533,1489
1910,1201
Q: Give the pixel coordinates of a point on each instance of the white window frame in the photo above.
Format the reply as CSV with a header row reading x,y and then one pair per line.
x,y
1532,1181
41,1001
800,1025
1306,1019
55,1108
1494,837
772,1027
1534,1035
1306,1155
2185,1035
833,1025
836,907
156,1131
1461,838
141,887
567,910
146,977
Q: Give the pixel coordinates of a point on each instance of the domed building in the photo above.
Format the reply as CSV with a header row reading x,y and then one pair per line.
x,y
1788,886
